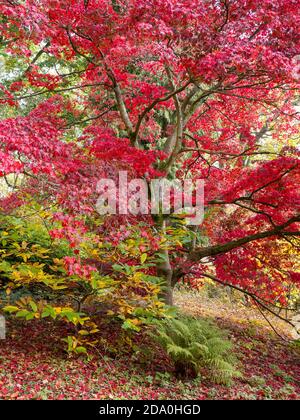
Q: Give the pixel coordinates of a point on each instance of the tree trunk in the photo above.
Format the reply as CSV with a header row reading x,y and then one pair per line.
x,y
165,271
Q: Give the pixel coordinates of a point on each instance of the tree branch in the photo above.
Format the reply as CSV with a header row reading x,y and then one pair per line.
x,y
210,251
252,295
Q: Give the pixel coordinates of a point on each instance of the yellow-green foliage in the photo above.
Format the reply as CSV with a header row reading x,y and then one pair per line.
x,y
35,282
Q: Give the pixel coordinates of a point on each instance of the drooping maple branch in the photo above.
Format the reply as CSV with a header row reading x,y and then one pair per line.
x,y
214,250
256,299
269,322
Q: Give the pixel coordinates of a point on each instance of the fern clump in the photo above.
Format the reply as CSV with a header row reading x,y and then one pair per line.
x,y
195,346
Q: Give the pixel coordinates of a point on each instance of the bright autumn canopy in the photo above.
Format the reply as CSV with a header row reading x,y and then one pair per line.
x,y
199,89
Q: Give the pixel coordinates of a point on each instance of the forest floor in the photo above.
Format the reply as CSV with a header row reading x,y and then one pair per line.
x,y
33,366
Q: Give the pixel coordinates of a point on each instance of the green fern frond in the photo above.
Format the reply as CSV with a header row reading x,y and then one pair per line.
x,y
196,344
179,353
199,350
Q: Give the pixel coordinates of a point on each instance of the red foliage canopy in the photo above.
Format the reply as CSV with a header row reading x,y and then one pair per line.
x,y
192,88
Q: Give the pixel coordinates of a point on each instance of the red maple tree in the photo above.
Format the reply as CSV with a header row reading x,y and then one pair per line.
x,y
177,88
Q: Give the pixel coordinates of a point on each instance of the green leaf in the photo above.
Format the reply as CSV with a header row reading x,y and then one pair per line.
x,y
5,266
81,349
143,258
45,313
33,306
22,314
118,268
10,309
128,325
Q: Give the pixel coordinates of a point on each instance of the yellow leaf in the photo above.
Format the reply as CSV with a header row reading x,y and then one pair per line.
x,y
83,332
143,258
110,312
94,331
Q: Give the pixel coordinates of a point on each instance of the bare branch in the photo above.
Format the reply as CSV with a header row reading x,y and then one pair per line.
x,y
252,295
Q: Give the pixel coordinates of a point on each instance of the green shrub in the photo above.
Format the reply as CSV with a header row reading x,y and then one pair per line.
x,y
197,346
92,287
